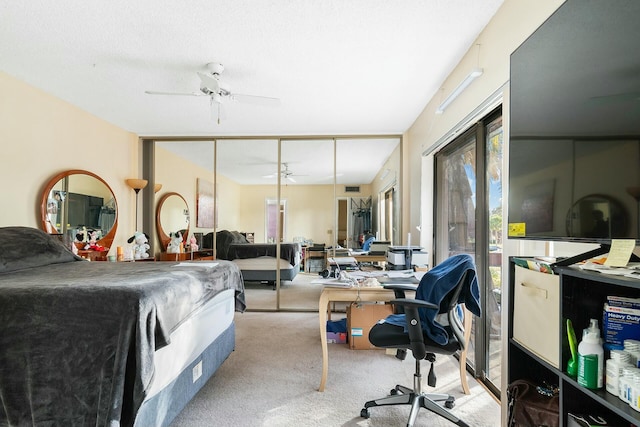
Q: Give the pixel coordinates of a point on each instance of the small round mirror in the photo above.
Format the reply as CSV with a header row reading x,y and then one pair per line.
x,y
77,199
597,217
172,215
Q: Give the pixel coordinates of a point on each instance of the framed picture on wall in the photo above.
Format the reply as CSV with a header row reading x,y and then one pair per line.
x,y
206,208
537,207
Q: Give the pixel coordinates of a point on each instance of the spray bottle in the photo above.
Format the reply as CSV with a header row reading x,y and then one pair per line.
x,y
591,357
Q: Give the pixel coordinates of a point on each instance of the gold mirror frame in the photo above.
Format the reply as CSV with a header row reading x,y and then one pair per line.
x,y
107,240
162,234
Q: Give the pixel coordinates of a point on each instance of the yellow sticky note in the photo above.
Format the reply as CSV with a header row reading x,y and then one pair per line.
x,y
620,252
517,229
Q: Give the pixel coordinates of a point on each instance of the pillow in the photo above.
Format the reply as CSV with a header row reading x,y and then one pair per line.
x,y
26,247
238,237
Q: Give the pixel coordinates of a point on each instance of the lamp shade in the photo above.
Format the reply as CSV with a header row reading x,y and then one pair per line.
x,y
157,188
136,184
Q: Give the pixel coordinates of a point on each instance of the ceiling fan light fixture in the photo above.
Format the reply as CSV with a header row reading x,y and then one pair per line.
x,y
215,68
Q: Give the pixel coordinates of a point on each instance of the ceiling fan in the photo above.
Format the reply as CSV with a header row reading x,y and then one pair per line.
x,y
212,86
285,173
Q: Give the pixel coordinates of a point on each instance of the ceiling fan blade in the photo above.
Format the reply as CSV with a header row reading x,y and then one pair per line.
x,y
255,99
290,178
155,92
209,82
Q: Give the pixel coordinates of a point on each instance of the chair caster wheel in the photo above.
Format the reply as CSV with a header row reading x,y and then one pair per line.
x,y
449,404
364,413
394,392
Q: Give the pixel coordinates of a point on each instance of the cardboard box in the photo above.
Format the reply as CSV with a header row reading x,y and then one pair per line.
x,y
619,324
536,313
336,337
360,319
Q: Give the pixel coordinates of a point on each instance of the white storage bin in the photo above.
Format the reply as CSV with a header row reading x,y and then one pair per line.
x,y
536,313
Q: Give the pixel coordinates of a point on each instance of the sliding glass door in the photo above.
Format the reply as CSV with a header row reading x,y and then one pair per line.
x,y
468,219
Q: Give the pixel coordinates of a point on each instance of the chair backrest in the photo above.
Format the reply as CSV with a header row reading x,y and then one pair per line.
x,y
453,314
447,284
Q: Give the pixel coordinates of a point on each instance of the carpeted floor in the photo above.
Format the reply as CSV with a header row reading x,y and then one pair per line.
x,y
272,377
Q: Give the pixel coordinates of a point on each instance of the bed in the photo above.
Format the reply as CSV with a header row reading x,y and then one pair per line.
x,y
105,343
257,261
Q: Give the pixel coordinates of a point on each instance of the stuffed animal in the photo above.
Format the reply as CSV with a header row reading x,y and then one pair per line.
x,y
193,244
81,235
140,245
92,244
174,243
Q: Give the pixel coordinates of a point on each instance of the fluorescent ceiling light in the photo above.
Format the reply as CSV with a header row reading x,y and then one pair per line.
x,y
474,74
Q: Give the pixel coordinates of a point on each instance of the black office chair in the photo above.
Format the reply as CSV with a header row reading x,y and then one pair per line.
x,y
389,335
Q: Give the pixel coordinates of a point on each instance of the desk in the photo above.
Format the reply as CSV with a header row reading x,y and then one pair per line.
x,y
370,258
315,253
330,294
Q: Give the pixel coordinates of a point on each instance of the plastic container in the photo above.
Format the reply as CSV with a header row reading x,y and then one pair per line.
x,y
613,370
591,357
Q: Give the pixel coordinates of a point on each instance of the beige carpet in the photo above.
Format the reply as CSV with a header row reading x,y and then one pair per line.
x,y
272,377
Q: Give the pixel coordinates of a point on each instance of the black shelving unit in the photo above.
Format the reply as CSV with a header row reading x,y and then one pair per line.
x,y
582,297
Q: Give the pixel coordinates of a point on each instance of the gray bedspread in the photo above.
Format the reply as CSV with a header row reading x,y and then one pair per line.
x,y
77,339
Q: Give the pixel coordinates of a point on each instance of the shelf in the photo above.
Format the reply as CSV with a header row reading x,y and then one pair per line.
x,y
601,396
582,296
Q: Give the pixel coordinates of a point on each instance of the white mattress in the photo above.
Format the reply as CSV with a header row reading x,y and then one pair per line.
x,y
191,338
261,263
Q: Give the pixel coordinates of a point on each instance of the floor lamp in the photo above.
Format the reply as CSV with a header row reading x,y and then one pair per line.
x,y
137,185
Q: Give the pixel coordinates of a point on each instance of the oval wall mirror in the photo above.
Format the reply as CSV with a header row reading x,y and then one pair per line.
x,y
75,199
172,215
597,216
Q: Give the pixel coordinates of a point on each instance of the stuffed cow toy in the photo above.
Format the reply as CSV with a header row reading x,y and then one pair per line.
x,y
140,245
174,243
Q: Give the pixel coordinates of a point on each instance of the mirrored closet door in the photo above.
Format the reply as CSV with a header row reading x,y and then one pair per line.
x,y
321,194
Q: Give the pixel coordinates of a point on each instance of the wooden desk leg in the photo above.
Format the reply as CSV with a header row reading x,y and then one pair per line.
x,y
323,307
463,355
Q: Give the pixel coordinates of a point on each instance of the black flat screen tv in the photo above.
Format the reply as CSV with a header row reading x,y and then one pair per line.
x,y
574,139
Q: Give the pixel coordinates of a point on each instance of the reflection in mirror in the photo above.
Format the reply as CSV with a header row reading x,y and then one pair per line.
x,y
75,201
597,216
367,190
307,185
172,215
247,174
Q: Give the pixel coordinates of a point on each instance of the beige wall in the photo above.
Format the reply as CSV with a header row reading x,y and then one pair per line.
x,y
42,136
512,24
310,208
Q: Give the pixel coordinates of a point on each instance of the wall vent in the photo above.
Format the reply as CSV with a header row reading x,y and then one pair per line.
x,y
352,189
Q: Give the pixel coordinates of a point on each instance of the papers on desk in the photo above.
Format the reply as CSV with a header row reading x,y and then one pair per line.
x,y
403,276
632,269
399,273
335,283
345,260
354,252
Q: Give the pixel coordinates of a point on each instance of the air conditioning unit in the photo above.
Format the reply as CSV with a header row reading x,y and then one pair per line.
x,y
351,188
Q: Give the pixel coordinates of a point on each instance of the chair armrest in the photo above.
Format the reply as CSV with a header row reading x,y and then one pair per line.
x,y
401,286
413,325
414,303
399,292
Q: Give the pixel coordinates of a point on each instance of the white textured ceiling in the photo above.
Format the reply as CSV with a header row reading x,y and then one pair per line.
x,y
339,67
